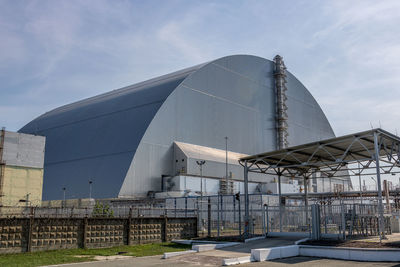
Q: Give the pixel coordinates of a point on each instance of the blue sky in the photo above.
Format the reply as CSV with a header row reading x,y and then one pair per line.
x,y
347,53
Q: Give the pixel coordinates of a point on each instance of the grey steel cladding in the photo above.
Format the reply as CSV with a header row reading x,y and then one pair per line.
x,y
123,140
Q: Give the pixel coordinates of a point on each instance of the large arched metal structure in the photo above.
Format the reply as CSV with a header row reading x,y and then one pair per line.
x,y
123,140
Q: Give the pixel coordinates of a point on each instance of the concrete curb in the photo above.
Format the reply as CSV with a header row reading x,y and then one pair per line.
x,y
168,255
254,239
190,242
206,247
182,241
265,254
236,261
301,241
289,234
355,254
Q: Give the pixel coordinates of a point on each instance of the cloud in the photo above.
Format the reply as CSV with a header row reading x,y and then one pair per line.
x,y
53,53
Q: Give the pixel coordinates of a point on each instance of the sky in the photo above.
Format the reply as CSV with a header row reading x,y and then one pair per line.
x,y
347,53
57,52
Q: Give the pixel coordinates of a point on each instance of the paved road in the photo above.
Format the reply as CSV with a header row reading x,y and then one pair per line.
x,y
156,261
215,257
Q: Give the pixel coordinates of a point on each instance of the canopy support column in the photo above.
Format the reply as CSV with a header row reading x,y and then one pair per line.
x,y
246,200
378,181
306,199
280,200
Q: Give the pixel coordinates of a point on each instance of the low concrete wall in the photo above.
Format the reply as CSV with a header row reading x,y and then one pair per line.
x,y
289,234
37,234
357,254
265,254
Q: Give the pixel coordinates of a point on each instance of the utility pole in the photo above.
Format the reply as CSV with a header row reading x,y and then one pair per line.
x,y
226,164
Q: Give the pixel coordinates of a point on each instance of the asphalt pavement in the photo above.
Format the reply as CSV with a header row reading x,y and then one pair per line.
x,y
215,257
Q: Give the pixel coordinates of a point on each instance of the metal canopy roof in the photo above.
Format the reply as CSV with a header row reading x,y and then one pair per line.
x,y
330,156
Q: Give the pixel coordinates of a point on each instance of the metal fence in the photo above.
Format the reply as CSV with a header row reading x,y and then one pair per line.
x,y
288,219
350,220
224,215
221,215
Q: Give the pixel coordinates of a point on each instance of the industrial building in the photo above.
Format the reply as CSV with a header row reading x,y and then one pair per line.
x,y
150,138
21,169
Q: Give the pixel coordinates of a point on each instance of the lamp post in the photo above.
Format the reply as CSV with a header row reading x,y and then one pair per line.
x,y
226,163
201,163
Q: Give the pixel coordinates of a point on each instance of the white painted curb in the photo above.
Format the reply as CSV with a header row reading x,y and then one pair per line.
x,y
286,234
168,255
301,241
235,261
356,254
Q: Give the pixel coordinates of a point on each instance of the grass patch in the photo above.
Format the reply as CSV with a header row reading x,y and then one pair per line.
x,y
69,255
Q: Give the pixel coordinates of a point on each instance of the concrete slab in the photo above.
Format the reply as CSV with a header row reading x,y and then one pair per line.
x,y
268,242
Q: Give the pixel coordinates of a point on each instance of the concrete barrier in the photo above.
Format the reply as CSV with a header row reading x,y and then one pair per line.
x,y
265,254
236,261
206,247
168,255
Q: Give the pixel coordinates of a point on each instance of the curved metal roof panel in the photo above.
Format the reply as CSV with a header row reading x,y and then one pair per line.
x,y
96,138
